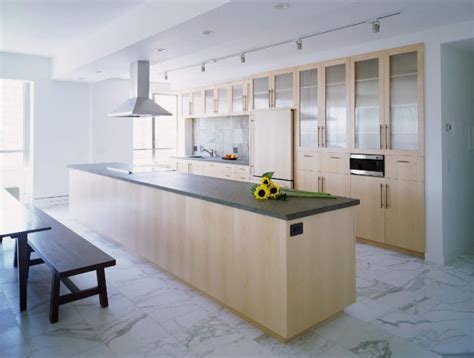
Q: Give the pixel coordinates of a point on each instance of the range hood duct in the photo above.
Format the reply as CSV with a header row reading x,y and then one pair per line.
x,y
140,105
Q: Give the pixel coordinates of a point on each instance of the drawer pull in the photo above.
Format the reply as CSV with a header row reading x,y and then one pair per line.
x,y
335,157
308,156
403,161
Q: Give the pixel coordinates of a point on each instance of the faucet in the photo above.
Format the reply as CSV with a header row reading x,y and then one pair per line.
x,y
212,152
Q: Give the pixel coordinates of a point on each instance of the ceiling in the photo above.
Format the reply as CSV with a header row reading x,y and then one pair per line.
x,y
95,40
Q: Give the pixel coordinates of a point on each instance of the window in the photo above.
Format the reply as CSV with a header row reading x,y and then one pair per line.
x,y
155,138
14,134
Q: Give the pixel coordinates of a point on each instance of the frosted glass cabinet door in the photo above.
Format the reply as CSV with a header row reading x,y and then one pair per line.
x,y
283,90
308,114
186,104
222,100
404,101
197,103
336,106
209,101
237,98
261,98
367,105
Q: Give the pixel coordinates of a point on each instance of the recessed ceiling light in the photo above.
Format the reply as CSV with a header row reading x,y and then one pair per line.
x,y
99,71
159,50
80,78
281,6
207,32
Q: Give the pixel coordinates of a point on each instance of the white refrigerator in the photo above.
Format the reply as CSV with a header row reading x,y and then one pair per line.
x,y
272,145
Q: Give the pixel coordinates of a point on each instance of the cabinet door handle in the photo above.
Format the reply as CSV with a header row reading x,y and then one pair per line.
x,y
386,196
381,136
319,186
322,184
323,136
387,144
319,136
189,108
403,161
269,98
381,196
273,98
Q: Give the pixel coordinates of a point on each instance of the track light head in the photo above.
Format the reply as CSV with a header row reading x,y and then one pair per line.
x,y
242,58
299,44
203,67
375,26
166,75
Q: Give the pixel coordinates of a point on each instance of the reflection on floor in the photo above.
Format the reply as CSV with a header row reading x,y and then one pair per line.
x,y
405,308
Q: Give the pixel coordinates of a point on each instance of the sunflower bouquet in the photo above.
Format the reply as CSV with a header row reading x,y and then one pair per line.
x,y
267,189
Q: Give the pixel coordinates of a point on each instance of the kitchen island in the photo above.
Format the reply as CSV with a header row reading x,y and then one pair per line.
x,y
285,266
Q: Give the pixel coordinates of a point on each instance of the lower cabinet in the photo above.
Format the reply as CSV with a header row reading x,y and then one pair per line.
x,y
335,184
391,211
306,180
212,169
405,214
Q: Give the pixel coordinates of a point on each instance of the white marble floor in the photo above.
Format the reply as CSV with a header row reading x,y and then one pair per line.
x,y
404,308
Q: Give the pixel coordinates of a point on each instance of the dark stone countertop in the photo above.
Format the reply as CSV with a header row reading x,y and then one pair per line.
x,y
221,191
216,160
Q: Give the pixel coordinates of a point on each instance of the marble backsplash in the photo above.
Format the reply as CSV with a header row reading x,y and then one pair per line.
x,y
223,134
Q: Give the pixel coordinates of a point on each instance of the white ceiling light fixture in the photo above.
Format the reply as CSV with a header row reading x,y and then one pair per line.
x,y
99,71
159,50
281,6
166,76
207,32
375,26
299,44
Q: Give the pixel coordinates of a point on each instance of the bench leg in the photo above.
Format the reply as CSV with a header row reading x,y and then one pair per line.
x,y
104,301
54,302
15,258
1,240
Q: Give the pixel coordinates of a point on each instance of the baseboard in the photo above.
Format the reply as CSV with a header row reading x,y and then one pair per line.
x,y
393,248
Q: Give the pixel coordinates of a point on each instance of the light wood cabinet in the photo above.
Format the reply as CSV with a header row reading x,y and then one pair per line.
x,y
404,167
306,180
222,99
335,184
370,214
391,211
182,166
227,171
367,101
404,76
273,90
239,97
334,126
335,162
404,214
209,101
241,173
195,167
308,126
212,169
186,103
308,160
197,105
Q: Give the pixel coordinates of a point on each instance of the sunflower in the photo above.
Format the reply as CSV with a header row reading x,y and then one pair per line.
x,y
261,192
265,181
274,189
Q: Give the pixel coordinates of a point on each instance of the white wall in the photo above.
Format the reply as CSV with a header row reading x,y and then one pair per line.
x,y
457,88
60,121
111,138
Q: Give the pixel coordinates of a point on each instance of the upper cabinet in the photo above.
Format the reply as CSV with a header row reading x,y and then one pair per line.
x,y
197,103
239,97
333,130
209,102
222,99
186,103
367,101
308,114
404,99
274,90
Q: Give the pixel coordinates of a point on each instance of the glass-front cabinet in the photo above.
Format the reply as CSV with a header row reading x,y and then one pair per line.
x,y
308,129
198,104
334,130
403,120
367,104
273,90
261,92
209,103
186,103
283,90
222,99
239,97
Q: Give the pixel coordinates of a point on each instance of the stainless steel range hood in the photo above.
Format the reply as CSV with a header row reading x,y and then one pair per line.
x,y
140,105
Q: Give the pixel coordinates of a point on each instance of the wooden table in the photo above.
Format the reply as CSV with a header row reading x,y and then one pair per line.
x,y
17,222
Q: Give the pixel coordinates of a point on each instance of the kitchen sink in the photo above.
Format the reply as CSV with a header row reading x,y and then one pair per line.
x,y
194,156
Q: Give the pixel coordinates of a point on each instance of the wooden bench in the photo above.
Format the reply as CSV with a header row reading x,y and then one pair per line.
x,y
68,254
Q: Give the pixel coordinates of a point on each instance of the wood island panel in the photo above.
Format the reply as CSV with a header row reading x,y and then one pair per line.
x,y
246,261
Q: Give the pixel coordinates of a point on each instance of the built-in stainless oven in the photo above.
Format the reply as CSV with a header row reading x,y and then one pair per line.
x,y
367,164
